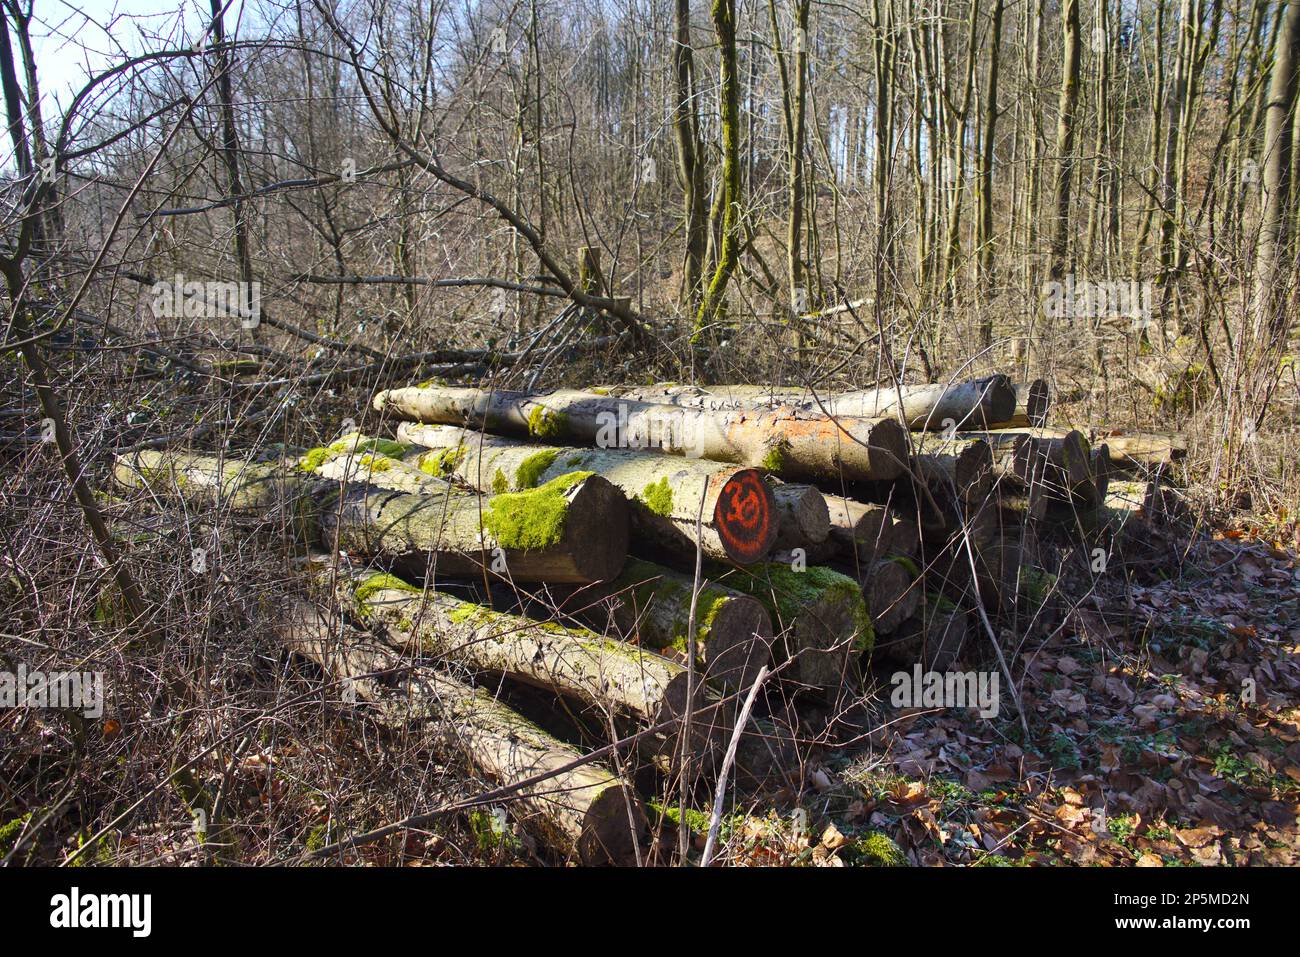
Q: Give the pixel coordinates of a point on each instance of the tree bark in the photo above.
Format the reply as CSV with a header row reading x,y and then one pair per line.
x,y
935,406
1275,169
891,592
690,162
872,531
615,677
577,533
933,638
663,492
728,209
1065,128
821,619
795,446
1033,400
803,519
651,604
586,811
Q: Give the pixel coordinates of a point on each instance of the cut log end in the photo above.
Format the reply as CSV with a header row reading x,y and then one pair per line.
x,y
739,643
824,643
612,828
596,530
887,450
804,517
746,517
890,595
1037,400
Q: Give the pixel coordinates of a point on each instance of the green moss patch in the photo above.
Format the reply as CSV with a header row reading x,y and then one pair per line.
x,y
906,564
534,518
544,423
10,830
774,460
658,497
787,593
442,462
1035,585
382,581
530,469
354,442
874,850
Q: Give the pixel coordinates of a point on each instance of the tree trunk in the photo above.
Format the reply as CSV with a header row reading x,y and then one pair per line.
x,y
1065,128
1059,459
933,638
984,239
1275,169
729,218
690,162
821,620
573,529
617,678
663,492
803,519
960,465
791,445
892,593
1033,400
585,811
934,406
651,605
872,531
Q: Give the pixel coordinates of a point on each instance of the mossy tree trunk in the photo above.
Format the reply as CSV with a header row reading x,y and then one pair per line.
x,y
934,406
821,620
652,604
690,160
584,811
615,677
664,492
573,529
724,26
792,445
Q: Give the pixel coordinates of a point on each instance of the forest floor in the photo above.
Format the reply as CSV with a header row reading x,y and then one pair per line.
x,y
1166,732
1163,706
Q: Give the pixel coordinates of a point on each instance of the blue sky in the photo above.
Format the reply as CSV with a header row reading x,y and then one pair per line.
x,y
72,39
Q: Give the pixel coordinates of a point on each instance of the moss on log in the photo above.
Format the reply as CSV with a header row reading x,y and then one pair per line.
x,y
600,672
572,529
652,604
585,812
821,618
664,492
793,445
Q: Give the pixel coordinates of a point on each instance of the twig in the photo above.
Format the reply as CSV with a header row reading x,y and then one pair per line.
x,y
727,761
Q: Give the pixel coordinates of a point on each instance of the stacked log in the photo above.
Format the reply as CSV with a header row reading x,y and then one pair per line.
x,y
870,530
572,529
652,606
682,538
579,808
938,406
667,495
821,620
573,662
796,445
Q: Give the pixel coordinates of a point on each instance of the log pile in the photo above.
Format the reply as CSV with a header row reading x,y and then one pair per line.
x,y
646,553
